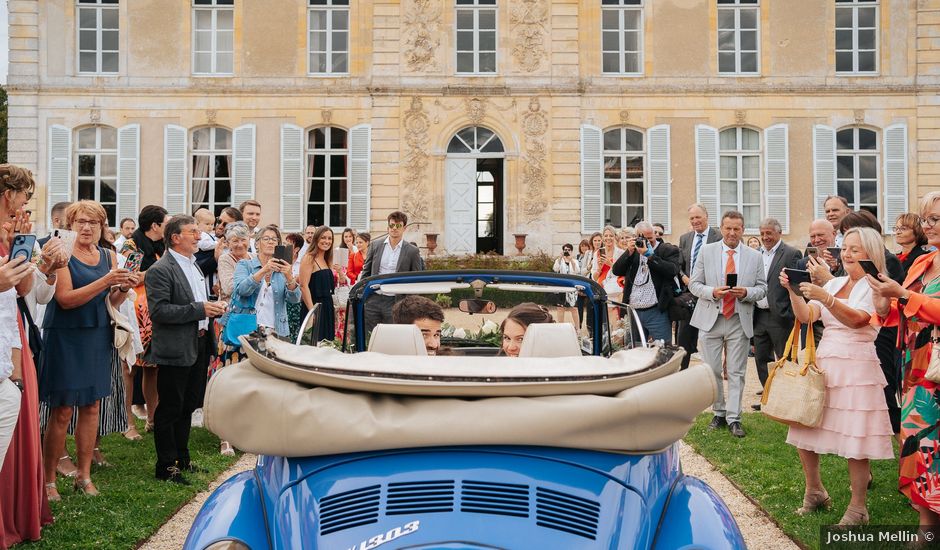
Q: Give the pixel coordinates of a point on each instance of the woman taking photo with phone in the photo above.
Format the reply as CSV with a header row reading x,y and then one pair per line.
x,y
604,259
264,284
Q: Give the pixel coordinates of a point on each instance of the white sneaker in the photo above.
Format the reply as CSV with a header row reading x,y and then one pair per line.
x,y
197,418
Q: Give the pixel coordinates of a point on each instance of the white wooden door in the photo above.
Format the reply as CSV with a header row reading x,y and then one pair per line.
x,y
460,213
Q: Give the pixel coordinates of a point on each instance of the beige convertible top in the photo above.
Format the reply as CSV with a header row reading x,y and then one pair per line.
x,y
265,414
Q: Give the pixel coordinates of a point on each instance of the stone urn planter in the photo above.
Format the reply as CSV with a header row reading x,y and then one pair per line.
x,y
432,242
520,241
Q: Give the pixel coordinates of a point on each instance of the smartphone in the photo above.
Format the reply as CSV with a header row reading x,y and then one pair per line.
x,y
812,251
835,252
797,276
134,260
731,279
284,252
869,267
23,245
67,237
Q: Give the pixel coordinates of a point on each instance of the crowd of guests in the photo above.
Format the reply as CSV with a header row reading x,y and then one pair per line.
x,y
102,326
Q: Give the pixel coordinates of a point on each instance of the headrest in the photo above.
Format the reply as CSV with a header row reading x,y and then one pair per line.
x,y
550,340
397,340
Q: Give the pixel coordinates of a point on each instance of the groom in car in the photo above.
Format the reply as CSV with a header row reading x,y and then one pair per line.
x,y
423,313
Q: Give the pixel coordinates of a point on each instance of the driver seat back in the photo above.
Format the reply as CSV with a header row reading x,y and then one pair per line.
x,y
550,340
397,340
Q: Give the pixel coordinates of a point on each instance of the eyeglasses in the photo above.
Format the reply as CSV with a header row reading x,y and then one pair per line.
x,y
194,232
930,221
398,225
899,228
89,223
268,239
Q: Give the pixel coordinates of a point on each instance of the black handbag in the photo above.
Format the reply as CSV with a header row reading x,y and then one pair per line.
x,y
681,306
34,335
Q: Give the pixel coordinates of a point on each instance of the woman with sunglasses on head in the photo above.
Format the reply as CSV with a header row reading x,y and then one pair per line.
x,y
914,306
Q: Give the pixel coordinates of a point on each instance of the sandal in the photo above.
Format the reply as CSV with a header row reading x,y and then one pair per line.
x,y
86,487
148,427
52,492
132,434
63,470
226,449
854,516
813,501
99,459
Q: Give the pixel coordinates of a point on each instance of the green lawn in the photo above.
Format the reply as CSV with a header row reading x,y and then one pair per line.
x,y
767,469
132,505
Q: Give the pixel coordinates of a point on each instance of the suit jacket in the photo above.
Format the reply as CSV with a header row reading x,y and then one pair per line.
x,y
778,297
409,259
908,261
709,272
663,266
685,245
174,315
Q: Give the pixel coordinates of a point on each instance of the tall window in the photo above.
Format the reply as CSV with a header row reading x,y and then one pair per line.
x,y
96,159
328,40
327,176
624,177
213,36
856,36
476,36
97,36
622,36
740,174
738,38
212,169
857,160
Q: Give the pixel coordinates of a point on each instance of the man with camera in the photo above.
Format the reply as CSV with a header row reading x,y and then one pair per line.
x,y
567,263
649,272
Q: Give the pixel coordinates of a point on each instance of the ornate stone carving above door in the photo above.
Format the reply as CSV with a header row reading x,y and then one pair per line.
x,y
413,184
528,19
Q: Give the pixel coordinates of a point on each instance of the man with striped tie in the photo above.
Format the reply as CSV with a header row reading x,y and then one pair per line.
x,y
691,244
728,279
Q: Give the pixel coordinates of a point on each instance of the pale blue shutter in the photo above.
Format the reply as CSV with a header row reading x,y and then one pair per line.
x,y
592,178
895,178
128,172
824,167
706,170
777,175
174,169
59,178
660,177
360,176
243,164
292,177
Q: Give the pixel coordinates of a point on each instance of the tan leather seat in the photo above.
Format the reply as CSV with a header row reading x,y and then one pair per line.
x,y
397,340
550,340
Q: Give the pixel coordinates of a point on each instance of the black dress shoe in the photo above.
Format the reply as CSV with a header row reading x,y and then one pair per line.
x,y
717,422
173,475
736,429
756,407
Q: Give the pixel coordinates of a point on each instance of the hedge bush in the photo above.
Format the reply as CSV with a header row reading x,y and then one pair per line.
x,y
533,262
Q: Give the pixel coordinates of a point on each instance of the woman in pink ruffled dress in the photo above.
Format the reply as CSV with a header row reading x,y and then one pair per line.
x,y
855,423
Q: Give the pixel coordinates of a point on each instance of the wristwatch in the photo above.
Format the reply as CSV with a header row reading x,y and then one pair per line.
x,y
903,301
19,384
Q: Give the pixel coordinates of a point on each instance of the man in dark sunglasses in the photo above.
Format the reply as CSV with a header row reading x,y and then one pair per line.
x,y
390,254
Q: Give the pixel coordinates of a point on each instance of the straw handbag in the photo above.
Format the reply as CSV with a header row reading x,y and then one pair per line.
x,y
795,394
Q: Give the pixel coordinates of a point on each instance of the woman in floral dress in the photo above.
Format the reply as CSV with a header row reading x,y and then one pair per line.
x,y
915,308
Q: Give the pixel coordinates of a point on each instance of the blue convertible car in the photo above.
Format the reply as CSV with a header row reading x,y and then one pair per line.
x,y
363,448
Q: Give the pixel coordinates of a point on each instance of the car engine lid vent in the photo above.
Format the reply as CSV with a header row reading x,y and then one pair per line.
x,y
565,512
504,499
412,497
349,509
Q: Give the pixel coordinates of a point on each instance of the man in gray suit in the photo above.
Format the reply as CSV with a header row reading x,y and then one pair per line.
x,y
724,314
181,344
690,244
773,318
391,254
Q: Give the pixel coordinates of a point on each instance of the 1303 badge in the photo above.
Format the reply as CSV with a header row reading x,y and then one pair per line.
x,y
389,536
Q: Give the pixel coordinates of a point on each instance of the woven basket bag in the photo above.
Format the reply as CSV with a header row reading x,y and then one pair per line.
x,y
795,394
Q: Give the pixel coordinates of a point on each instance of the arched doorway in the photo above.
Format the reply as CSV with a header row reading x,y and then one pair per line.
x,y
473,192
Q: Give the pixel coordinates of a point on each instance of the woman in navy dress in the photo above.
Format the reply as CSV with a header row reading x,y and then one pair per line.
x,y
78,342
317,281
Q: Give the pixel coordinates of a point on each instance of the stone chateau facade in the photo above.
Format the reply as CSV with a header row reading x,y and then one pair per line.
x,y
480,118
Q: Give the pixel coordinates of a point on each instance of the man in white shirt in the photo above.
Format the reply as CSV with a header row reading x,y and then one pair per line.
x,y
181,344
836,208
389,255
691,244
251,215
127,227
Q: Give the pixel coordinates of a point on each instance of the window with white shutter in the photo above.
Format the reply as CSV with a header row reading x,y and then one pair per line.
x,y
59,177
706,169
174,169
592,177
211,178
777,174
739,175
857,168
360,177
327,177
292,177
96,166
243,161
824,166
660,177
128,172
895,173
623,196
